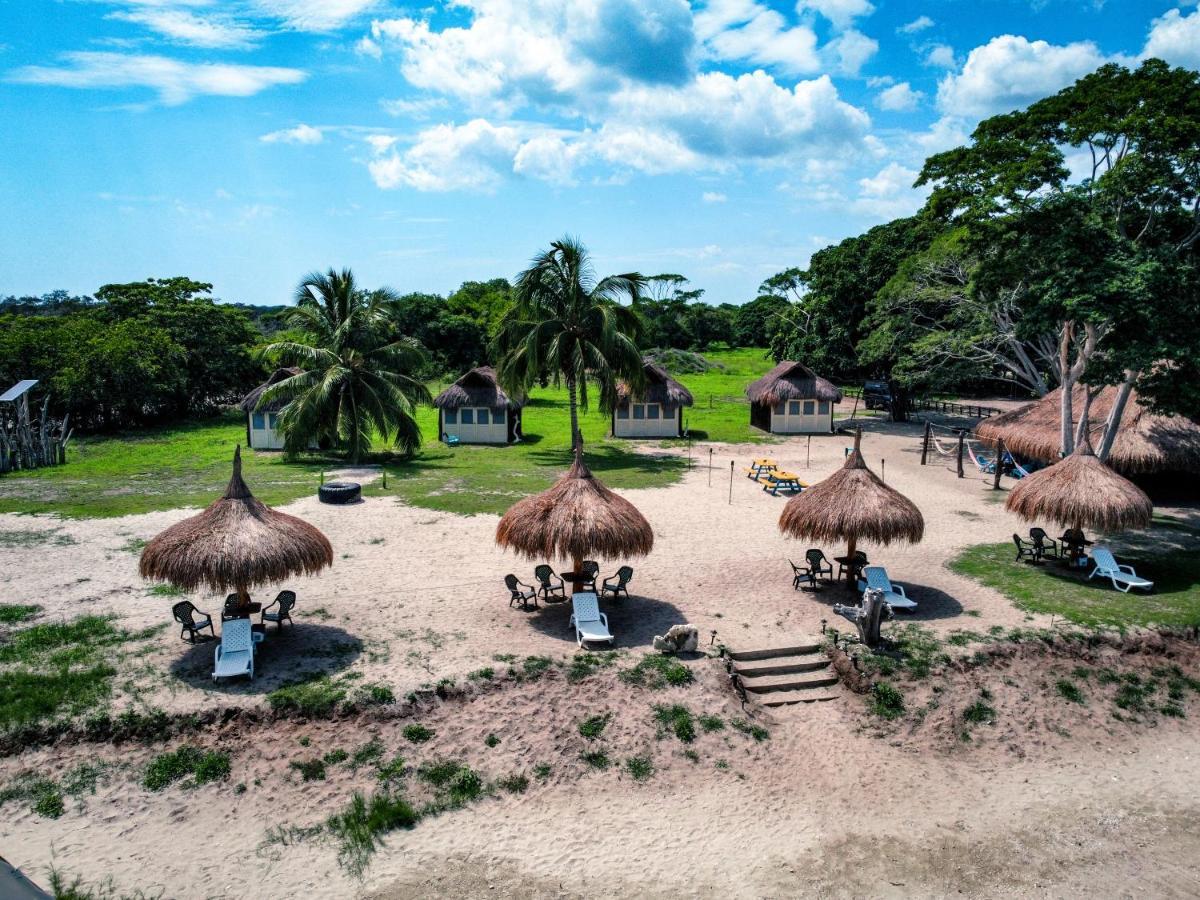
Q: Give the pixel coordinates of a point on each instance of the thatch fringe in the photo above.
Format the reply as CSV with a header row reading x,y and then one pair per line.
x,y
1081,492
660,387
478,387
250,403
792,381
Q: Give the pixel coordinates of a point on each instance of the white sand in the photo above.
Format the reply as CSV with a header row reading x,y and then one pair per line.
x,y
819,809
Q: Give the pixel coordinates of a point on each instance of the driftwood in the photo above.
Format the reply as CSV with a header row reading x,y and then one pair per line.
x,y
869,617
29,443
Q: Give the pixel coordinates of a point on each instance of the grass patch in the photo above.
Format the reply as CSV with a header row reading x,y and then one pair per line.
x,y
597,759
980,713
29,697
491,741
1070,691
175,765
514,784
586,663
360,827
886,701
417,733
534,667
640,768
1052,589
335,757
313,697
457,784
710,723
44,795
593,726
676,719
750,729
392,770
487,673
374,694
15,613
542,771
656,671
309,769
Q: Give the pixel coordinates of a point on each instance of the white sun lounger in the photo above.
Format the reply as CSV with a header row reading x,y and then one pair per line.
x,y
1123,578
235,655
893,594
590,624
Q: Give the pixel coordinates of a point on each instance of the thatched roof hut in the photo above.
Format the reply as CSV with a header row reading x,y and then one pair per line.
x,y
850,505
479,387
1146,442
1081,492
250,403
577,517
477,410
654,409
238,542
792,399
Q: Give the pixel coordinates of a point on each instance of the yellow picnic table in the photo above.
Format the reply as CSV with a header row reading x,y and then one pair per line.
x,y
760,467
783,481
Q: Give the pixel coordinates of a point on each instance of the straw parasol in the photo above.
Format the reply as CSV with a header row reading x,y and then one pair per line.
x,y
852,504
238,542
576,518
1081,492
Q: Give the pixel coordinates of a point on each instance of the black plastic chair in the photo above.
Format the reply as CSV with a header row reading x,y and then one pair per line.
x,y
230,610
1046,545
521,592
1025,548
858,562
622,578
286,600
800,575
818,565
591,569
192,620
550,583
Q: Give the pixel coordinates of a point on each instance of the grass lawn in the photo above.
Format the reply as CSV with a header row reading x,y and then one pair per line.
x,y
188,465
1167,556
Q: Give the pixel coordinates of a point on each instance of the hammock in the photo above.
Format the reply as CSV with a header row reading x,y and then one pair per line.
x,y
937,446
1021,473
985,464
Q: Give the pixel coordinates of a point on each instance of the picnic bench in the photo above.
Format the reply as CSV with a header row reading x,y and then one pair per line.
x,y
788,482
760,468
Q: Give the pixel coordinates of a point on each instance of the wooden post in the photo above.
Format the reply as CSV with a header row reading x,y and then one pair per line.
x,y
962,436
999,462
710,452
577,567
883,470
925,442
731,482
808,458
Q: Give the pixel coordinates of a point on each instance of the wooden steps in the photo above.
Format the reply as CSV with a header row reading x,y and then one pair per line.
x,y
782,676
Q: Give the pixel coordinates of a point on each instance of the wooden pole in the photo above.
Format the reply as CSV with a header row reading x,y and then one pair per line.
x,y
961,443
710,452
925,442
808,458
883,470
999,463
731,482
577,567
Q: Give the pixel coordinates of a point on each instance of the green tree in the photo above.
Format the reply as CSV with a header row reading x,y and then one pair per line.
x,y
357,380
569,324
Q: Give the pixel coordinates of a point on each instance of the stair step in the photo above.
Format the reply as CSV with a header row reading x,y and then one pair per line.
x,y
785,666
790,698
772,683
773,653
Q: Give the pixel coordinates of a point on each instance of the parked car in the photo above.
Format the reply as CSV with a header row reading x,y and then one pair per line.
x,y
877,395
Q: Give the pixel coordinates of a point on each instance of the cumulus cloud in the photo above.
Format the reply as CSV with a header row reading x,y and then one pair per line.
x,y
314,15
849,51
920,23
301,134
1175,38
889,194
175,82
1010,72
899,98
839,12
188,28
713,197
749,31
449,157
940,56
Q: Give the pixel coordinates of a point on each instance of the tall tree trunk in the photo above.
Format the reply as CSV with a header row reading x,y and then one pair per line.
x,y
1066,434
1115,415
576,437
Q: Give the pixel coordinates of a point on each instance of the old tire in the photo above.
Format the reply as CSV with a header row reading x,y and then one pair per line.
x,y
339,492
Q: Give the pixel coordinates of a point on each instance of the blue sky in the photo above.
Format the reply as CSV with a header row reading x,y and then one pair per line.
x,y
247,143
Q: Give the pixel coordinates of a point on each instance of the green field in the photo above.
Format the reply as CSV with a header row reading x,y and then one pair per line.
x,y
187,466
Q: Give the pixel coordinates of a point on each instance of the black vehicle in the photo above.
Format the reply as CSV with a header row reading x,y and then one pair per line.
x,y
877,395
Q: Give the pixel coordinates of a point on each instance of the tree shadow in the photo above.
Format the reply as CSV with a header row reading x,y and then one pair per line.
x,y
932,603
633,621
606,459
284,655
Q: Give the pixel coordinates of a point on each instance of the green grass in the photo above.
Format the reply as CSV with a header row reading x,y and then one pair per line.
x,y
711,723
676,719
1070,691
15,613
597,759
657,671
1051,589
417,733
311,697
168,768
309,769
360,827
640,768
886,701
514,784
593,726
750,729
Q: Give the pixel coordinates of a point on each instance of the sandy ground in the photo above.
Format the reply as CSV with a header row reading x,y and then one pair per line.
x,y
821,809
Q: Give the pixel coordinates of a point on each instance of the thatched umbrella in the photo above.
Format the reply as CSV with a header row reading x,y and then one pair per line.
x,y
852,504
1081,492
576,518
238,542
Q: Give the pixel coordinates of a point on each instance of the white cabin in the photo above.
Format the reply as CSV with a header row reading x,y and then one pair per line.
x,y
657,409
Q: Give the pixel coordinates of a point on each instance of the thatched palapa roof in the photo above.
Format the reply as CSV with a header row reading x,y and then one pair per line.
x,y
1145,443
576,518
478,387
660,388
249,403
791,381
850,505
1081,492
237,543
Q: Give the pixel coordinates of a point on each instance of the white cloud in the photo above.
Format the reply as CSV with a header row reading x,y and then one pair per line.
x,y
176,82
849,51
841,13
1175,38
450,157
187,28
920,23
1010,72
889,193
380,143
899,98
301,134
940,56
747,30
367,47
713,197
416,109
314,15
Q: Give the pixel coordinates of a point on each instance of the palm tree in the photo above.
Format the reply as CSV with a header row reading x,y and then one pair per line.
x,y
356,377
566,324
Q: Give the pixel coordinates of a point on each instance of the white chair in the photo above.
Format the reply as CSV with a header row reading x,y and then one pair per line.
x,y
590,624
1123,578
893,594
235,654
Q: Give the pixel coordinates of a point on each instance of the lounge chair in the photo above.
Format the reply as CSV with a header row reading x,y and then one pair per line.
x,y
1123,577
591,569
451,440
590,624
235,654
1046,546
1025,548
622,578
549,582
893,594
193,621
521,592
286,601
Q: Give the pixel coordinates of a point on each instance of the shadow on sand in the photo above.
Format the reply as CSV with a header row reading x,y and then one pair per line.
x,y
295,650
633,621
932,603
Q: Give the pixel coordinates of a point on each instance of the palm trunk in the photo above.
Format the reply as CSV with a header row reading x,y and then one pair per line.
x,y
1115,415
1066,436
576,437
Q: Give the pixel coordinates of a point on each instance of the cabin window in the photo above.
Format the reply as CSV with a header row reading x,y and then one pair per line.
x,y
259,421
823,407
481,416
793,407
450,416
623,411
652,410
498,416
639,411
809,406
779,408
468,416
